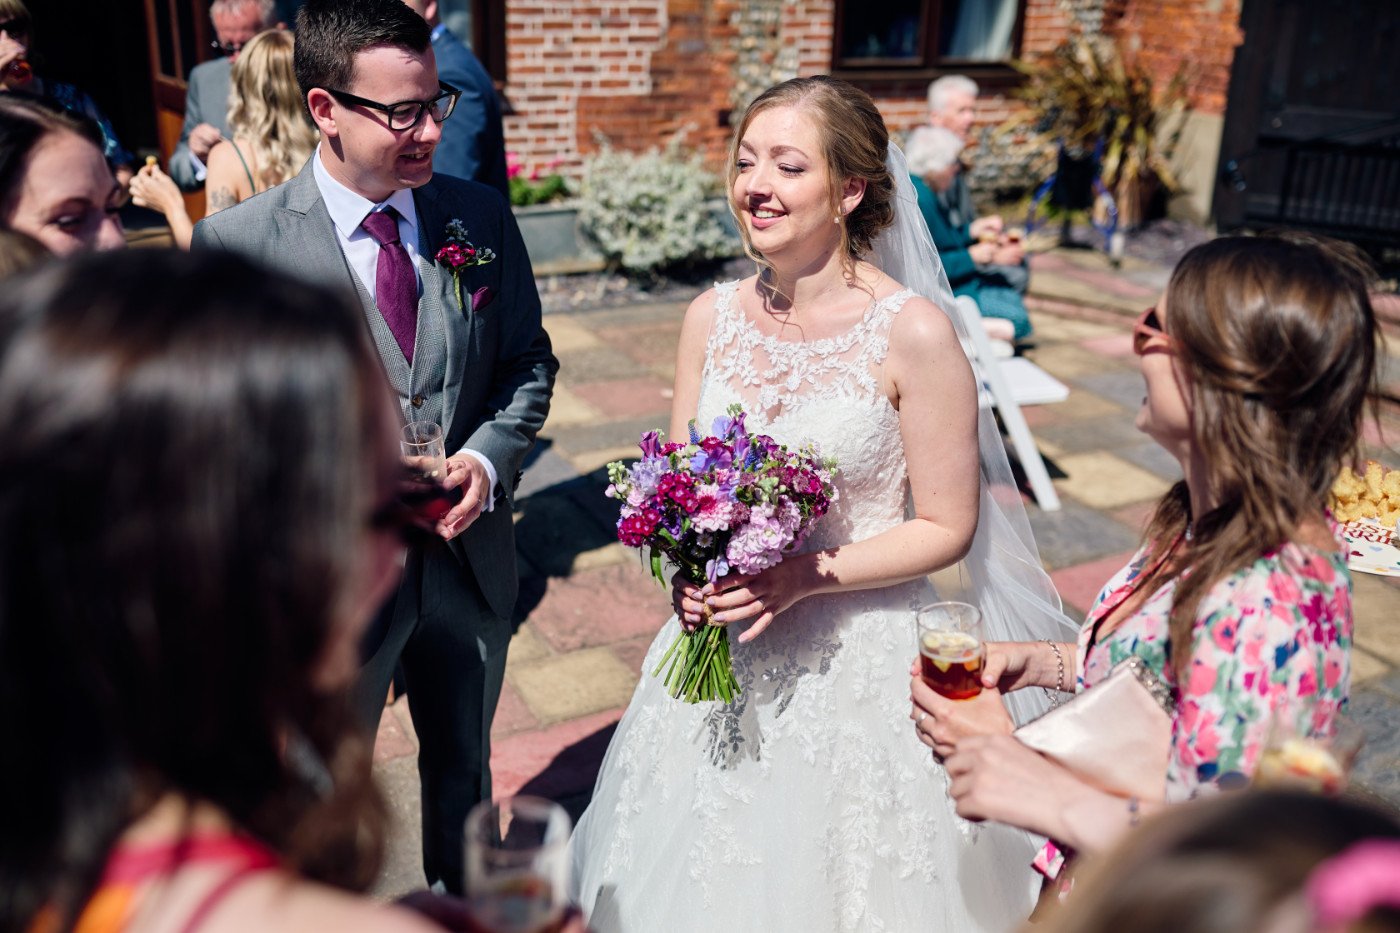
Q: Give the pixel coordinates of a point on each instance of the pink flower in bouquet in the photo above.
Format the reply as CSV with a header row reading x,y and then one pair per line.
x,y
761,543
634,530
717,509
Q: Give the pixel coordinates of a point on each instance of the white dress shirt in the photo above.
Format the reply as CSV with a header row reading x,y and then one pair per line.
x,y
348,210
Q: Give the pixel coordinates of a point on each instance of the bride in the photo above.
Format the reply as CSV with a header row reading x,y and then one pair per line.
x,y
808,803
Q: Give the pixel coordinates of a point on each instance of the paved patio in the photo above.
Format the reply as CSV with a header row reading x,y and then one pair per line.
x,y
589,610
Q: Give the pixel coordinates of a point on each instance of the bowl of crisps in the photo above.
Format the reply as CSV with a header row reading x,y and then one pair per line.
x,y
1367,506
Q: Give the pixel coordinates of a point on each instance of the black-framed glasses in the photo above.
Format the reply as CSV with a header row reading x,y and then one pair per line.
x,y
405,114
226,48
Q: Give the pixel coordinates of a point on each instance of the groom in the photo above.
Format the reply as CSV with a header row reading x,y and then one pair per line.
x,y
368,213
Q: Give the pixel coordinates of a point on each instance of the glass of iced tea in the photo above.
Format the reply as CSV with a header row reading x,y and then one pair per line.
x,y
517,864
950,648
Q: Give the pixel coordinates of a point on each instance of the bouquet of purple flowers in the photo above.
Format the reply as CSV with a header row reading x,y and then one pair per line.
x,y
730,501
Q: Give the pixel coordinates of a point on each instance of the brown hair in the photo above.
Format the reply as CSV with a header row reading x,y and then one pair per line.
x,y
854,145
1220,865
19,251
1275,338
16,12
173,561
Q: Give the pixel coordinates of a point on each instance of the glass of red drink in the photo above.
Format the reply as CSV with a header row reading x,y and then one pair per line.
x,y
951,649
517,865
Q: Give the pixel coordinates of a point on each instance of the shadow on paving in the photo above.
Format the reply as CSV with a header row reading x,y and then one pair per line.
x,y
568,779
555,525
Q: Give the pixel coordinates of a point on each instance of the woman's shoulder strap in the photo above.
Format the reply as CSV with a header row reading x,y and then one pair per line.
x,y
238,150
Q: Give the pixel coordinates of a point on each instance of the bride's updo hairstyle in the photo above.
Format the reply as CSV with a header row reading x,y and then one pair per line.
x,y
1274,340
854,145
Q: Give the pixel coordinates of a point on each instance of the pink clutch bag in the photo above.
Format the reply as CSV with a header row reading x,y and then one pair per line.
x,y
1116,735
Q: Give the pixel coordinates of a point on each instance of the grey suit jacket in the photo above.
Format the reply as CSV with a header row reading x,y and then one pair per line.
x,y
206,101
497,385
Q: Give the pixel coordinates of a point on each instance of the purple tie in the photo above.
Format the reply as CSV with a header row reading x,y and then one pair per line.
x,y
395,284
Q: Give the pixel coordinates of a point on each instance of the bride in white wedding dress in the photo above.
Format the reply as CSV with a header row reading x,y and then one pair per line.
x,y
808,803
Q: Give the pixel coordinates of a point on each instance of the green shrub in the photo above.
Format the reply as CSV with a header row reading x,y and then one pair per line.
x,y
647,211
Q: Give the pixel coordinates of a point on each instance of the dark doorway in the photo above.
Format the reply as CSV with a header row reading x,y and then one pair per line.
x,y
1312,131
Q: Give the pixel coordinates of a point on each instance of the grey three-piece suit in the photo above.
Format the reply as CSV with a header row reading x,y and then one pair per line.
x,y
485,374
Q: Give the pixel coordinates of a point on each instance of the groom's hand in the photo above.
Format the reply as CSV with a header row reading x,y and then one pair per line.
x,y
468,473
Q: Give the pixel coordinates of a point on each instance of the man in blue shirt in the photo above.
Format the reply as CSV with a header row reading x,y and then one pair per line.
x,y
473,144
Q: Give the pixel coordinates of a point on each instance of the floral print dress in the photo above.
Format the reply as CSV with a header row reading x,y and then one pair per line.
x,y
1272,641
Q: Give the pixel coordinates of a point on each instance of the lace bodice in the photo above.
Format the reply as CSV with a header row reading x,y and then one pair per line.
x,y
824,391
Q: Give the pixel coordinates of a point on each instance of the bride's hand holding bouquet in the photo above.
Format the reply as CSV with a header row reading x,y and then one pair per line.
x,y
739,597
725,509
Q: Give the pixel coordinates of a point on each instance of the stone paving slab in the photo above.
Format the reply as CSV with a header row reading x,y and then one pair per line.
x,y
1106,481
646,344
629,398
569,686
568,409
596,364
1080,584
1152,458
600,607
1077,534
1121,386
1113,432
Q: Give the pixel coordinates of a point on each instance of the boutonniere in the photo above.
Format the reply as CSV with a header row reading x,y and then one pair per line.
x,y
459,252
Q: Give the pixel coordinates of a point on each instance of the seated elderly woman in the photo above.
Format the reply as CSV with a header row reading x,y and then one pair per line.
x,y
198,514
1257,360
971,254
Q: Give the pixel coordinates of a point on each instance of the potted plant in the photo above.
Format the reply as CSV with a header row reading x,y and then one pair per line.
x,y
1087,99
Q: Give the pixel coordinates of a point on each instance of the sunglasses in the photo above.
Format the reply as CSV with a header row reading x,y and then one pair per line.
x,y
415,509
1148,328
226,48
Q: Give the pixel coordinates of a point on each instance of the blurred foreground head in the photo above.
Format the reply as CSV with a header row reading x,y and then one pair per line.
x,y
1247,862
194,448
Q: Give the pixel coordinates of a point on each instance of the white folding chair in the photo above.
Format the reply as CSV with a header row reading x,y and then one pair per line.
x,y
1009,384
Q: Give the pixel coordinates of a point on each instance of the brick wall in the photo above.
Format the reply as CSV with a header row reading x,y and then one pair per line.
x,y
1167,34
638,71
635,71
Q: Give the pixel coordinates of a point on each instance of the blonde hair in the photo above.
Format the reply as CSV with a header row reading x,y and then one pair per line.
x,y
854,145
266,107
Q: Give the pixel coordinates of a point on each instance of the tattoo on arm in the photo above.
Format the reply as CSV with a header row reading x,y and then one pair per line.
x,y
220,198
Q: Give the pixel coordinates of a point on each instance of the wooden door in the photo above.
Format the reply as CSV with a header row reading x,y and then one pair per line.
x,y
1312,131
179,35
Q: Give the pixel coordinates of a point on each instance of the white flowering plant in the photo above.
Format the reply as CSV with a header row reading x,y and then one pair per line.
x,y
647,211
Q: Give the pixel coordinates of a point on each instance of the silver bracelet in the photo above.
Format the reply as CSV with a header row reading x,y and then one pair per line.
x,y
1054,695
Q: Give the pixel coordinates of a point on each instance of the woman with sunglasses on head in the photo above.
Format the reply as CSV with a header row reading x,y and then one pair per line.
x,y
270,137
199,511
1258,360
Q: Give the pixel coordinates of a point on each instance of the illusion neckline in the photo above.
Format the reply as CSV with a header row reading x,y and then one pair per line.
x,y
821,343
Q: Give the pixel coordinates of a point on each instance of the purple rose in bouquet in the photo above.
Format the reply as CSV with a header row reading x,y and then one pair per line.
x,y
730,501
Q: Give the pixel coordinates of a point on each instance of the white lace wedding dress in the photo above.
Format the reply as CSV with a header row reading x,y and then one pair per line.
x,y
807,804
